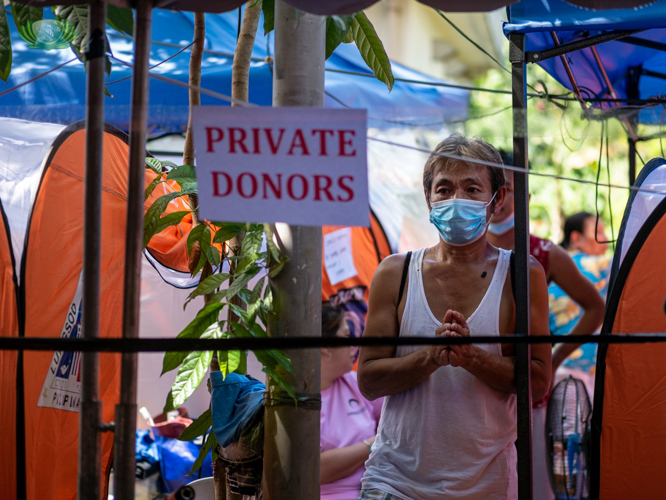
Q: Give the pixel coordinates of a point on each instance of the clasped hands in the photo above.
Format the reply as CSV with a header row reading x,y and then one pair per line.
x,y
453,325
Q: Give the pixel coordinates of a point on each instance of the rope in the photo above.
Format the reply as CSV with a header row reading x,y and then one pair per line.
x,y
261,344
156,65
34,79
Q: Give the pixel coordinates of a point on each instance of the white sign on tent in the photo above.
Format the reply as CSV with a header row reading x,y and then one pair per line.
x,y
302,166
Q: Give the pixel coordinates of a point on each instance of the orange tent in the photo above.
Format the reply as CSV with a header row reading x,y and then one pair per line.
x,y
9,327
628,432
369,246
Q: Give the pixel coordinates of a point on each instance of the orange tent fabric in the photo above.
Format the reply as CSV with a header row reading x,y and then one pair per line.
x,y
51,271
169,247
369,247
631,385
9,327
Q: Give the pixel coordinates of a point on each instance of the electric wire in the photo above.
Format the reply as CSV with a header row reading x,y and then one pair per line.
x,y
35,78
155,65
510,167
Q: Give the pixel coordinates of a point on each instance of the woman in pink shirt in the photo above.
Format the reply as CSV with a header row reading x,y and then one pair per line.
x,y
348,420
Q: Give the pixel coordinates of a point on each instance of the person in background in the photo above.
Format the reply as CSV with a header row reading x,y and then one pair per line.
x,y
585,240
560,269
348,420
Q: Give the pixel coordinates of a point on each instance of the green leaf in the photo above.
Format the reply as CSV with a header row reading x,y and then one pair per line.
x,y
255,300
151,187
120,19
251,244
172,219
198,427
213,256
210,284
349,37
195,234
231,361
210,444
277,267
77,17
155,165
153,215
204,241
24,13
182,174
372,49
227,232
268,9
190,375
270,243
268,298
5,46
336,30
200,324
241,280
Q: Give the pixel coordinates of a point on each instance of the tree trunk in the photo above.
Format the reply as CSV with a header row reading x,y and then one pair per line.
x,y
240,89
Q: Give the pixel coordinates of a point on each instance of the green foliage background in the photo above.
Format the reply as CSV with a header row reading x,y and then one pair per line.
x,y
562,142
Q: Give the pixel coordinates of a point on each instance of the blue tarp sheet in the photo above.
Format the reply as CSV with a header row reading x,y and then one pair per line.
x,y
537,18
60,96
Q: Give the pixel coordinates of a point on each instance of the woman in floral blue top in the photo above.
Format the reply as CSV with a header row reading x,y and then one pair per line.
x,y
590,255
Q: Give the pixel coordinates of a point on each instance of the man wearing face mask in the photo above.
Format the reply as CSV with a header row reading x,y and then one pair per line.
x,y
448,424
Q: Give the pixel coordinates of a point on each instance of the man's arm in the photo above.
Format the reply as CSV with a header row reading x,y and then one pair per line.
x,y
568,277
499,372
380,373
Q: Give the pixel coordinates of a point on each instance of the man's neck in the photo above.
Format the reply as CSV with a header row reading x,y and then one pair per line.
x,y
461,254
505,241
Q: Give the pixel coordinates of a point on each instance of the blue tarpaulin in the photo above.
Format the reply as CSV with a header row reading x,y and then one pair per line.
x,y
59,97
538,18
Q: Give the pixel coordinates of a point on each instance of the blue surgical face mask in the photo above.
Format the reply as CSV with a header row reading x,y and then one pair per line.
x,y
460,221
499,228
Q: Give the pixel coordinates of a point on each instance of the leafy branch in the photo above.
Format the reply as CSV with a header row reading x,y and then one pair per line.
x,y
355,28
206,245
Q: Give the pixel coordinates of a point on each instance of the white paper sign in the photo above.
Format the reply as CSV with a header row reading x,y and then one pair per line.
x,y
338,257
302,166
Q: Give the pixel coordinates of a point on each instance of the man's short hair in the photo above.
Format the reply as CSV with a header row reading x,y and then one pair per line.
x,y
459,145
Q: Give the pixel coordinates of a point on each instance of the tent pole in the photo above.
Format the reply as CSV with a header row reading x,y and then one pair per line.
x,y
90,412
522,249
124,465
291,449
633,92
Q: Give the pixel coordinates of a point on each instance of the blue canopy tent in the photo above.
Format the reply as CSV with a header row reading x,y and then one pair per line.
x,y
623,76
614,63
59,97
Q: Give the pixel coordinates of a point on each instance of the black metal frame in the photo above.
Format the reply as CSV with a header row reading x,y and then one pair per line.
x,y
518,58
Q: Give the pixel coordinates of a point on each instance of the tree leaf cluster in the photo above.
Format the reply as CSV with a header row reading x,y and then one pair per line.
x,y
355,28
207,244
73,16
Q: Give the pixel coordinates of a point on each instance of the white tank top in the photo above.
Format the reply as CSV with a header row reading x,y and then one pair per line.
x,y
451,436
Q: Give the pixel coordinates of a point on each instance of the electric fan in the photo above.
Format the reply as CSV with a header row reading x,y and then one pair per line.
x,y
568,439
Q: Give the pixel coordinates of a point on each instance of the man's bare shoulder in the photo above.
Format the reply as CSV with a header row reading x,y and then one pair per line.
x,y
389,270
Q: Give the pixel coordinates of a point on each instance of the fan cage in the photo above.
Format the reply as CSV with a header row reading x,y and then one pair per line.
x,y
568,439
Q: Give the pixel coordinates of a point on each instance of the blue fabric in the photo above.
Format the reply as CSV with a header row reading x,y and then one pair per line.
x,y
175,458
235,401
60,96
537,18
565,313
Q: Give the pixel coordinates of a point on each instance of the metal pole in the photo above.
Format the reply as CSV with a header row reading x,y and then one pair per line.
x,y
90,411
522,249
291,449
124,465
633,92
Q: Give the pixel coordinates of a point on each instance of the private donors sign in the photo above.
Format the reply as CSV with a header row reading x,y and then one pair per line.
x,y
303,166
